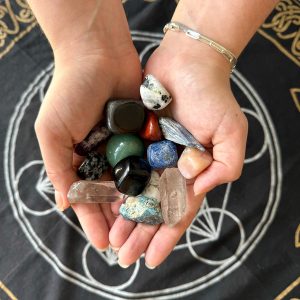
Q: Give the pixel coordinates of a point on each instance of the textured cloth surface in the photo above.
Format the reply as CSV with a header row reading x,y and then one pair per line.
x,y
245,241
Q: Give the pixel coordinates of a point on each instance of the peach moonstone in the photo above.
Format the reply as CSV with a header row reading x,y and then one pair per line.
x,y
192,162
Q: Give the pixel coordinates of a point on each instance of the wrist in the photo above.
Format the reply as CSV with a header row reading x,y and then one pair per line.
x,y
229,23
102,33
207,19
82,26
188,50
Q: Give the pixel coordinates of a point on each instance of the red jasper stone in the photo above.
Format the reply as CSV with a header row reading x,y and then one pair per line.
x,y
151,130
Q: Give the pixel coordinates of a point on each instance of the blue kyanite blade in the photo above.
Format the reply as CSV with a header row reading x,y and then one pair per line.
x,y
175,132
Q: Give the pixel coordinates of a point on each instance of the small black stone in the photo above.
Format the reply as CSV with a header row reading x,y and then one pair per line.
x,y
131,175
125,116
93,166
165,98
157,106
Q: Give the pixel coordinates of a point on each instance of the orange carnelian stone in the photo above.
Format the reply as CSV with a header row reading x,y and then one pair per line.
x,y
151,130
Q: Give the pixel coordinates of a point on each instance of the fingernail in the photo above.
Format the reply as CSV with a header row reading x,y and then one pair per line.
x,y
149,267
59,201
115,248
123,266
103,249
200,192
192,162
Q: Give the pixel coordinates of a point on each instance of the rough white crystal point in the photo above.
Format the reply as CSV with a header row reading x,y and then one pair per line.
x,y
154,94
84,191
175,132
172,187
152,189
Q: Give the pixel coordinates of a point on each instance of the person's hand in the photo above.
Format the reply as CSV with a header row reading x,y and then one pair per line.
x,y
198,79
94,60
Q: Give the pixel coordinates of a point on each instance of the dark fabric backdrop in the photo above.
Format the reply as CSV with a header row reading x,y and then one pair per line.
x,y
245,241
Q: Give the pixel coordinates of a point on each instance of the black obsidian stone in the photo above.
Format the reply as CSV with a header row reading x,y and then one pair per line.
x,y
93,166
125,116
131,175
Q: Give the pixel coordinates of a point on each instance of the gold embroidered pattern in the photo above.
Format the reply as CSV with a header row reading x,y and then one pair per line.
x,y
291,287
295,92
7,291
14,23
282,28
297,234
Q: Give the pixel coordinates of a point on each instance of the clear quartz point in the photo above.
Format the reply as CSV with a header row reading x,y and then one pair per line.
x,y
172,187
84,191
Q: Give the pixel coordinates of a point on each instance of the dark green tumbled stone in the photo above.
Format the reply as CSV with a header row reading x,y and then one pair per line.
x,y
131,175
125,116
121,146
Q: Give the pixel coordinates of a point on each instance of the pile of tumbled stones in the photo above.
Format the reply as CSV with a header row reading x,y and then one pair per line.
x,y
140,146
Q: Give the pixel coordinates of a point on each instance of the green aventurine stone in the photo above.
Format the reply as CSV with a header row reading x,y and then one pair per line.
x,y
121,146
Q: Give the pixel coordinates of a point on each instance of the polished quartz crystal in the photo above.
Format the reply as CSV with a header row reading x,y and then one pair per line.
x,y
172,187
125,116
175,132
93,192
131,175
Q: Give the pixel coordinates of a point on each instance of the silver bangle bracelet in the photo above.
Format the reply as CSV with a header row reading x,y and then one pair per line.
x,y
176,26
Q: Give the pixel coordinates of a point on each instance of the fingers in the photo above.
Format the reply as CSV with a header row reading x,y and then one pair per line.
x,y
115,206
93,223
136,244
228,156
108,214
132,240
218,173
166,237
120,232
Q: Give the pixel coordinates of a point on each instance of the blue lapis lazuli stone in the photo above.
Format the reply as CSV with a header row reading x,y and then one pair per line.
x,y
162,155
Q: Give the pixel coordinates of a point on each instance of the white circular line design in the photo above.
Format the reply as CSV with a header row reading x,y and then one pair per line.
x,y
219,262
169,293
264,146
90,276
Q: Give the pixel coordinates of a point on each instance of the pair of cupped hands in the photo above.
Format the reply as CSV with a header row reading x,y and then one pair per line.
x,y
99,62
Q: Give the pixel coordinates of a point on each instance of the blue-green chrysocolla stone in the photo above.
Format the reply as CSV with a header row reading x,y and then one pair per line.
x,y
123,145
142,209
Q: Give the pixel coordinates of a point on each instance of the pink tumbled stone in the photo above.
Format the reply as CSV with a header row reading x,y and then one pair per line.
x,y
193,161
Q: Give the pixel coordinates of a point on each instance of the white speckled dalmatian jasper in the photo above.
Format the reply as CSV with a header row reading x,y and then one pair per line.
x,y
151,190
153,94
